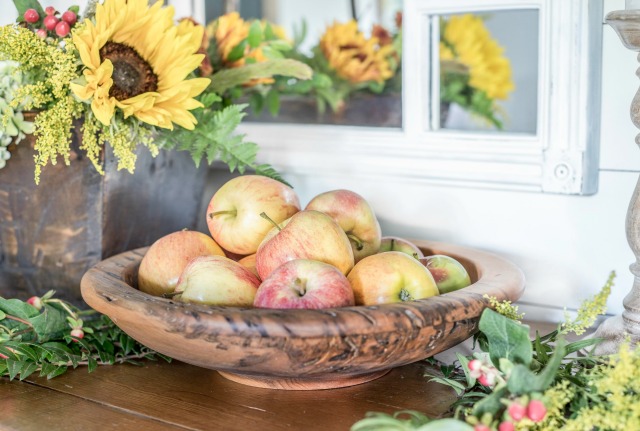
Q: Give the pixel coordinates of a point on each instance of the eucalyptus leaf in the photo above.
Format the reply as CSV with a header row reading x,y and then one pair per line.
x,y
507,338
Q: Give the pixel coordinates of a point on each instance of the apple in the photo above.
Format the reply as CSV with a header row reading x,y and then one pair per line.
x,y
304,283
448,273
394,243
249,262
306,235
217,280
355,216
233,214
391,276
165,260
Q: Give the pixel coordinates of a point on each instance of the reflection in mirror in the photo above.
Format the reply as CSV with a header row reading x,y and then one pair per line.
x,y
354,48
489,71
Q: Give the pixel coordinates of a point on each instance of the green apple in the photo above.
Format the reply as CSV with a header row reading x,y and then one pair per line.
x,y
306,235
165,260
448,273
217,280
355,216
391,276
394,243
233,214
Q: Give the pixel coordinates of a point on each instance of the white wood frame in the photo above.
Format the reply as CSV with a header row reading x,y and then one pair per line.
x,y
561,157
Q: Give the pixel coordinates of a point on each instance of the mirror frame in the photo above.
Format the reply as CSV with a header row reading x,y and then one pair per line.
x,y
561,157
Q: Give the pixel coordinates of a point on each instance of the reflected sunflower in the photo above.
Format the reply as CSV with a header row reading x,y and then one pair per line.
x,y
353,56
137,60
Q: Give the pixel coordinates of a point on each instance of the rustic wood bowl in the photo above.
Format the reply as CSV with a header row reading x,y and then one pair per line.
x,y
302,349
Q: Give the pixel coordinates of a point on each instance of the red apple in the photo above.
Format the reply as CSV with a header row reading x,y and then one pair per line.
x,y
389,277
448,273
355,216
217,280
165,260
233,215
303,283
306,235
394,243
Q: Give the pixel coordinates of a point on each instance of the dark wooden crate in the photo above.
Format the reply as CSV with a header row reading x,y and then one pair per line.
x,y
51,234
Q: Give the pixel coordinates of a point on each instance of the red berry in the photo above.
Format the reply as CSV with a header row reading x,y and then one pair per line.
x,y
50,10
50,22
481,427
41,33
31,15
77,333
517,411
70,17
506,426
34,300
62,28
475,364
536,411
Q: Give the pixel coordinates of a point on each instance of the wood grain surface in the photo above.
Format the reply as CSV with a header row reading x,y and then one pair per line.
x,y
189,397
320,348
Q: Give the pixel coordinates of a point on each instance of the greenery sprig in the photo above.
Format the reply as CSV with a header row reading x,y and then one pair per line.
x,y
48,336
515,383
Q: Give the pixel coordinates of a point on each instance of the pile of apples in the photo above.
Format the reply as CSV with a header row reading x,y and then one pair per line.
x,y
266,252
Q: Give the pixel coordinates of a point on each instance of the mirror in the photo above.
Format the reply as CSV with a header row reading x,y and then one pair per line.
x,y
550,136
489,71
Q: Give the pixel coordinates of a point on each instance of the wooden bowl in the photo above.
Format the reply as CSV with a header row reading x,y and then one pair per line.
x,y
302,349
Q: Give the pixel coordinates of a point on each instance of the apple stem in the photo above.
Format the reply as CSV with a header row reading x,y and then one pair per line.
x,y
405,295
299,285
170,294
230,212
270,220
355,239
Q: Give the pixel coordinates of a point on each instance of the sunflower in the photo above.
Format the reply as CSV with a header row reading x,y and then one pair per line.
x,y
354,57
466,40
229,31
136,60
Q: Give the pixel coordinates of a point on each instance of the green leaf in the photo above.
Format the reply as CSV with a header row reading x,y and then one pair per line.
x,y
56,372
75,9
92,364
464,362
491,403
273,102
507,338
14,367
446,425
28,369
237,52
2,315
455,385
523,380
23,5
255,35
51,323
228,78
280,45
17,308
268,32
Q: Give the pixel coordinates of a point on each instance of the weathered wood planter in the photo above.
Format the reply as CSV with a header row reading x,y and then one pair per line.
x,y
51,234
369,110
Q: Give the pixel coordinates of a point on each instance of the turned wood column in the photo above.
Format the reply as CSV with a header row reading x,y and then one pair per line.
x,y
617,329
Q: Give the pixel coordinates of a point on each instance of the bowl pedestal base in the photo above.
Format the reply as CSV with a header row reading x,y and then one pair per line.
x,y
330,381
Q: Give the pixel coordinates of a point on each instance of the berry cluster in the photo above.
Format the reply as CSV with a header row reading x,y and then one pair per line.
x,y
51,23
526,407
75,323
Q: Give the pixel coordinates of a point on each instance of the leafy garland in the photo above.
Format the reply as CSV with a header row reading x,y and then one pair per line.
x,y
49,336
515,383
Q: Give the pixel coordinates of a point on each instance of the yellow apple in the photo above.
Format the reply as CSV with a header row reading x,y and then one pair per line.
x,y
391,276
165,260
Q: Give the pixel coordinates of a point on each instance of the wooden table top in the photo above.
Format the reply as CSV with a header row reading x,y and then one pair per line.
x,y
178,396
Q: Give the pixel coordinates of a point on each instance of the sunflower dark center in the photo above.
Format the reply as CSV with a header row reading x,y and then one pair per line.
x,y
132,75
